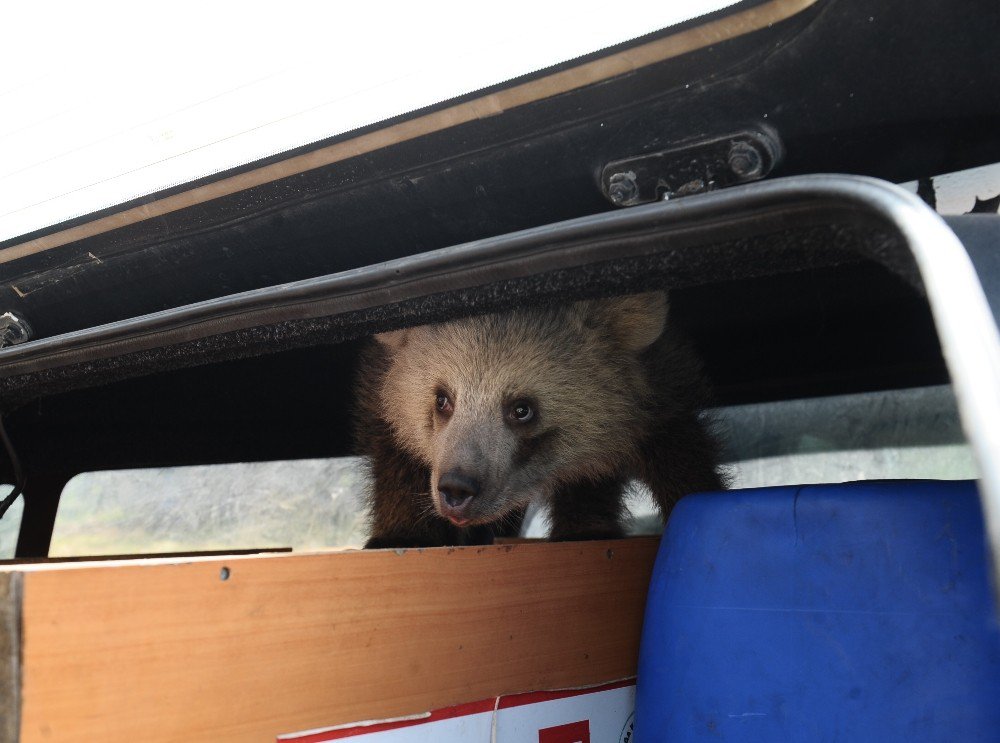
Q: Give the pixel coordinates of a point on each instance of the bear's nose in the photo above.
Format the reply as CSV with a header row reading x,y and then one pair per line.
x,y
457,491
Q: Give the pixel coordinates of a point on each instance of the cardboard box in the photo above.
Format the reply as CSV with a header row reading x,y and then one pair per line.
x,y
603,713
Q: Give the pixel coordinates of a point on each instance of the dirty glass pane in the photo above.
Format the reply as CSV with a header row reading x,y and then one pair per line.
x,y
314,504
912,433
10,524
303,504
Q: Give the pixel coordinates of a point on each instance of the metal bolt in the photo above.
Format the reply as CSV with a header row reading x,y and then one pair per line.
x,y
622,188
14,330
745,161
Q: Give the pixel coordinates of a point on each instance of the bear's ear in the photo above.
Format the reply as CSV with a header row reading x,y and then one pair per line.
x,y
636,321
394,339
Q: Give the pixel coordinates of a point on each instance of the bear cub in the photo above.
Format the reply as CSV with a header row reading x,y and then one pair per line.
x,y
466,422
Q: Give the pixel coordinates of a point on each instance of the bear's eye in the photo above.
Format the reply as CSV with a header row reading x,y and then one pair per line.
x,y
443,403
521,412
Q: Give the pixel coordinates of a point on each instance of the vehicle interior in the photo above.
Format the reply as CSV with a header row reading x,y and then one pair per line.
x,y
202,341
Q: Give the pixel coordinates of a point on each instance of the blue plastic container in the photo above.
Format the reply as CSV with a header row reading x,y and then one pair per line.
x,y
859,612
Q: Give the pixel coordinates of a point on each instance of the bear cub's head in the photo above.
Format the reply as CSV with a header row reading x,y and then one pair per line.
x,y
505,408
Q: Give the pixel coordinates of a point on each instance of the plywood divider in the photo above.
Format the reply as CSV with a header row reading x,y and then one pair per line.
x,y
246,648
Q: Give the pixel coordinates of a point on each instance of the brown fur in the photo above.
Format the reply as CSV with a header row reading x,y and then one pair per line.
x,y
617,397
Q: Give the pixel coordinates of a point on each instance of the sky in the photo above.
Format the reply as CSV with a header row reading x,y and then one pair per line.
x,y
102,102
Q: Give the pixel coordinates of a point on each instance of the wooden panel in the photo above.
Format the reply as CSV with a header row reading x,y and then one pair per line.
x,y
171,652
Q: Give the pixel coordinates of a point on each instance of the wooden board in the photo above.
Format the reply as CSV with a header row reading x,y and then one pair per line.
x,y
169,651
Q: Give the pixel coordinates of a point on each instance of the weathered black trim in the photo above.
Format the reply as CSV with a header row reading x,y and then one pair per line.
x,y
696,237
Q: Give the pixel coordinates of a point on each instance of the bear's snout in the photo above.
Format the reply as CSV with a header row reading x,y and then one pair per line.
x,y
457,492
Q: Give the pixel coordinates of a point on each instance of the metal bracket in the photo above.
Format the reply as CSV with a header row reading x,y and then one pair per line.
x,y
14,330
697,167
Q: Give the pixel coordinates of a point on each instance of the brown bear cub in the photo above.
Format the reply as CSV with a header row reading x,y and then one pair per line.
x,y
466,422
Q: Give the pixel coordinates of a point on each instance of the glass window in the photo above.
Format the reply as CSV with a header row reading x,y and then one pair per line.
x,y
318,503
913,433
896,434
303,504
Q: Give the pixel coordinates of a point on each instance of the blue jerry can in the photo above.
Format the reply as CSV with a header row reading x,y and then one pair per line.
x,y
857,612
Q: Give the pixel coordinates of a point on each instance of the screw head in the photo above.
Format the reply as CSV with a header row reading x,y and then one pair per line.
x,y
14,329
745,160
622,188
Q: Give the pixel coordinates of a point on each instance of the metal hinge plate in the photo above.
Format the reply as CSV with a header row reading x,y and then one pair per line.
x,y
696,167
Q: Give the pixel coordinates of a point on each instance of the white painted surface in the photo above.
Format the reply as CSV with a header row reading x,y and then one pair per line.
x,y
956,193
597,716
105,101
